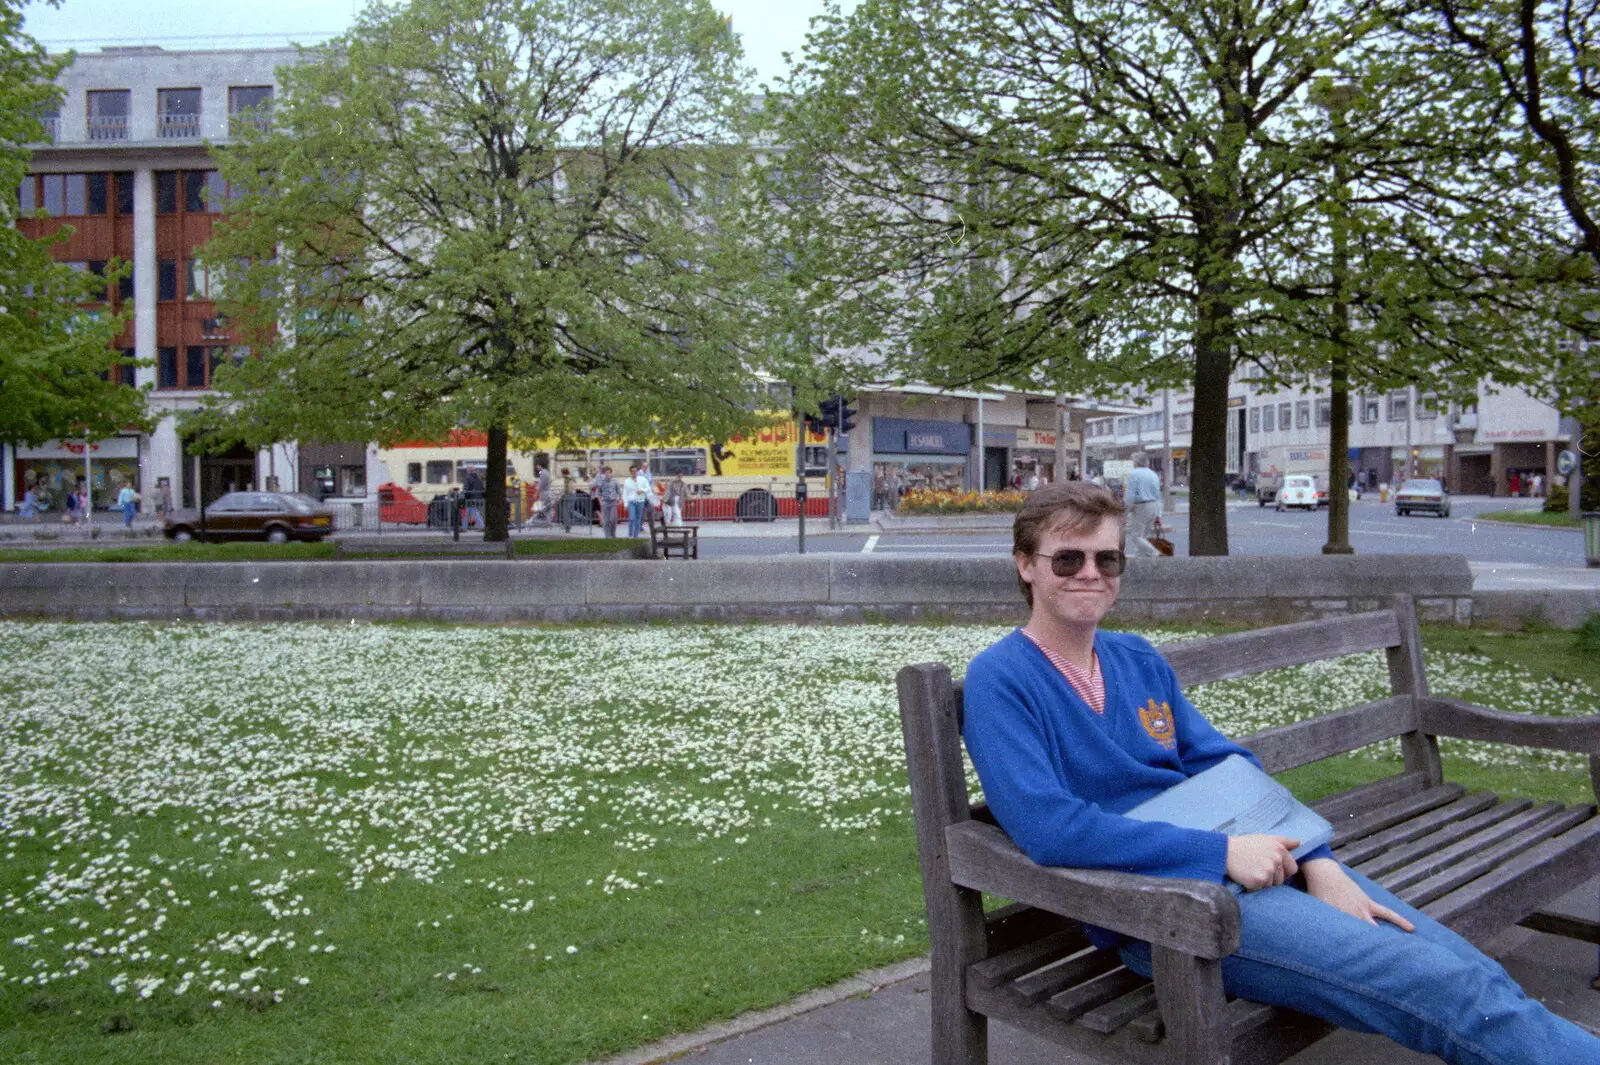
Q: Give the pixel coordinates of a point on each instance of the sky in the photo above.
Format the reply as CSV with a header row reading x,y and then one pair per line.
x,y
767,29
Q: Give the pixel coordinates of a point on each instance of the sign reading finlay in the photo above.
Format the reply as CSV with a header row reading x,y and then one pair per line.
x,y
1044,440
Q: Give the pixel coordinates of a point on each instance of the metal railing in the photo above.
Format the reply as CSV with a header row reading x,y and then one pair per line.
x,y
239,121
174,127
108,128
52,128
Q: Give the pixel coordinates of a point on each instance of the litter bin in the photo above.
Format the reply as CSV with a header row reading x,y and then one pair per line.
x,y
1591,536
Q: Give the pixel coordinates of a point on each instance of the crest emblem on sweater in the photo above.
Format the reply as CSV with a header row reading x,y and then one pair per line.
x,y
1157,720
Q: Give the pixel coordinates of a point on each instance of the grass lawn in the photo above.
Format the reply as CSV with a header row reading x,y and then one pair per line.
x,y
423,843
163,551
1532,517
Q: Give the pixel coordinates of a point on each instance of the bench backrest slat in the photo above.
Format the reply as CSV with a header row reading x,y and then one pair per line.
x,y
1242,654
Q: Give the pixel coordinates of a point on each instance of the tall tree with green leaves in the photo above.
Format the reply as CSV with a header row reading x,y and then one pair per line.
x,y
57,370
527,217
1039,193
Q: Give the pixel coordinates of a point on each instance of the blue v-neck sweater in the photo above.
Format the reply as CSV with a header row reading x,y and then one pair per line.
x,y
1057,775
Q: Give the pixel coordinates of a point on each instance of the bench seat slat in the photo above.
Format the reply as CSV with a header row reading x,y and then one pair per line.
x,y
1119,1011
1381,864
1074,1002
1068,973
1350,829
1531,879
1362,797
1432,862
1241,654
1003,968
1417,827
1564,925
1469,869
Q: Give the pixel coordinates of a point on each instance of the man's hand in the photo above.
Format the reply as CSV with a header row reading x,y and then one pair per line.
x,y
1327,880
1259,861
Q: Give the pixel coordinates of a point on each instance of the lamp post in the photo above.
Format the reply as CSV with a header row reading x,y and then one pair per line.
x,y
1336,98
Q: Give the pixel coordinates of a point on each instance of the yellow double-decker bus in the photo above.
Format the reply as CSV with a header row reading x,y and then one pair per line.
x,y
750,476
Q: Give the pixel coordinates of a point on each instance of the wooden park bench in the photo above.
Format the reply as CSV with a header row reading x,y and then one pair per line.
x,y
1472,861
666,539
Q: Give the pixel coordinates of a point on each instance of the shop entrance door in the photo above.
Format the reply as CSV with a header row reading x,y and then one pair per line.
x,y
994,469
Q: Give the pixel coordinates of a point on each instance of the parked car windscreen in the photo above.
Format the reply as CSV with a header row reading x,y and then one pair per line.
x,y
1422,487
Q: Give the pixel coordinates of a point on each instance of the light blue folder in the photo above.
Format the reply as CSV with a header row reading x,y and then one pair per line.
x,y
1237,799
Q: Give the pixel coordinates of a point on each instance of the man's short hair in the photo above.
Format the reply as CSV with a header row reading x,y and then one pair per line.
x,y
1069,507
1141,460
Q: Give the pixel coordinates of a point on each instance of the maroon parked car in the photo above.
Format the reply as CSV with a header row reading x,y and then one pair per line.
x,y
276,517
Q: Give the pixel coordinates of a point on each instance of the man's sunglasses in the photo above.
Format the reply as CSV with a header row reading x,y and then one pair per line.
x,y
1068,561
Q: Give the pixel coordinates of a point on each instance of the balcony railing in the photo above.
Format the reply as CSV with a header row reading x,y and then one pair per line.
x,y
108,127
239,121
52,128
173,127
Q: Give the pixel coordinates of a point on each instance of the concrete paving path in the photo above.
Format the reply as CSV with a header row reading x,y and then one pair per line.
x,y
881,1018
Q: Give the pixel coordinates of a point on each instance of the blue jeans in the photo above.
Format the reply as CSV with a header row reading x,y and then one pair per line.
x,y
127,513
635,517
1429,990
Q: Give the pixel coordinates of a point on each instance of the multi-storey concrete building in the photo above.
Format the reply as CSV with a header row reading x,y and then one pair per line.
x,y
127,165
1476,449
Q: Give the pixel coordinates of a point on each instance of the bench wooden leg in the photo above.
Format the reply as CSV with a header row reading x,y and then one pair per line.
x,y
1192,1007
960,1036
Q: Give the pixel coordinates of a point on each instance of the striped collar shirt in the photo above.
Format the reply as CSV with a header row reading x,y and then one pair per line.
x,y
1090,685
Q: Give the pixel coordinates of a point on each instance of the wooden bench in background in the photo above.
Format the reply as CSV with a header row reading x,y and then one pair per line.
x,y
667,539
1474,862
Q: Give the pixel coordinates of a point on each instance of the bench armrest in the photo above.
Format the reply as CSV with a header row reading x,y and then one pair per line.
x,y
1192,916
1463,720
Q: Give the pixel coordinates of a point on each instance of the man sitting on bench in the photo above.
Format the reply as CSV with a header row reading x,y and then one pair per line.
x,y
1068,727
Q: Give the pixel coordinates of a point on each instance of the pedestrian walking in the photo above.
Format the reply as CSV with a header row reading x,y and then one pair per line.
x,y
1537,490
30,504
472,489
606,493
672,506
1516,482
164,498
1142,494
635,496
128,500
544,500
75,504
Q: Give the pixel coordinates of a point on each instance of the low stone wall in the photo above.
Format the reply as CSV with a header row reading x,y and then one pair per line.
x,y
813,588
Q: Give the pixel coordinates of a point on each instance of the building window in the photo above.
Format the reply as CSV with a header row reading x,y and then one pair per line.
x,y
1324,413
1427,406
1302,414
77,193
125,286
125,369
124,192
27,198
440,472
352,480
53,193
1269,419
1369,409
1285,412
1399,406
413,473
250,105
202,282
166,192
1182,423
203,190
1255,419
97,267
108,115
96,193
194,367
178,113
166,367
167,279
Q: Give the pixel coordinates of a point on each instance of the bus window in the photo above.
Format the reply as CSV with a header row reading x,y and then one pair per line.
x,y
619,459
413,473
439,471
678,461
816,460
576,461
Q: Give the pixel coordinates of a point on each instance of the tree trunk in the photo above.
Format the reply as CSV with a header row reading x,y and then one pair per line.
x,y
1208,451
494,485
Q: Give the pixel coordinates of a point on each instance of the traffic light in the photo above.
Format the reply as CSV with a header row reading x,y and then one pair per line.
x,y
835,415
829,416
814,424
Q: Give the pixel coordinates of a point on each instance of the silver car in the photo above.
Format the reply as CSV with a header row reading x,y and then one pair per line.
x,y
1424,495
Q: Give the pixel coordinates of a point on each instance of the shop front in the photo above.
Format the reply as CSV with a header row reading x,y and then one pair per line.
x,y
1425,463
1034,456
55,469
910,453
